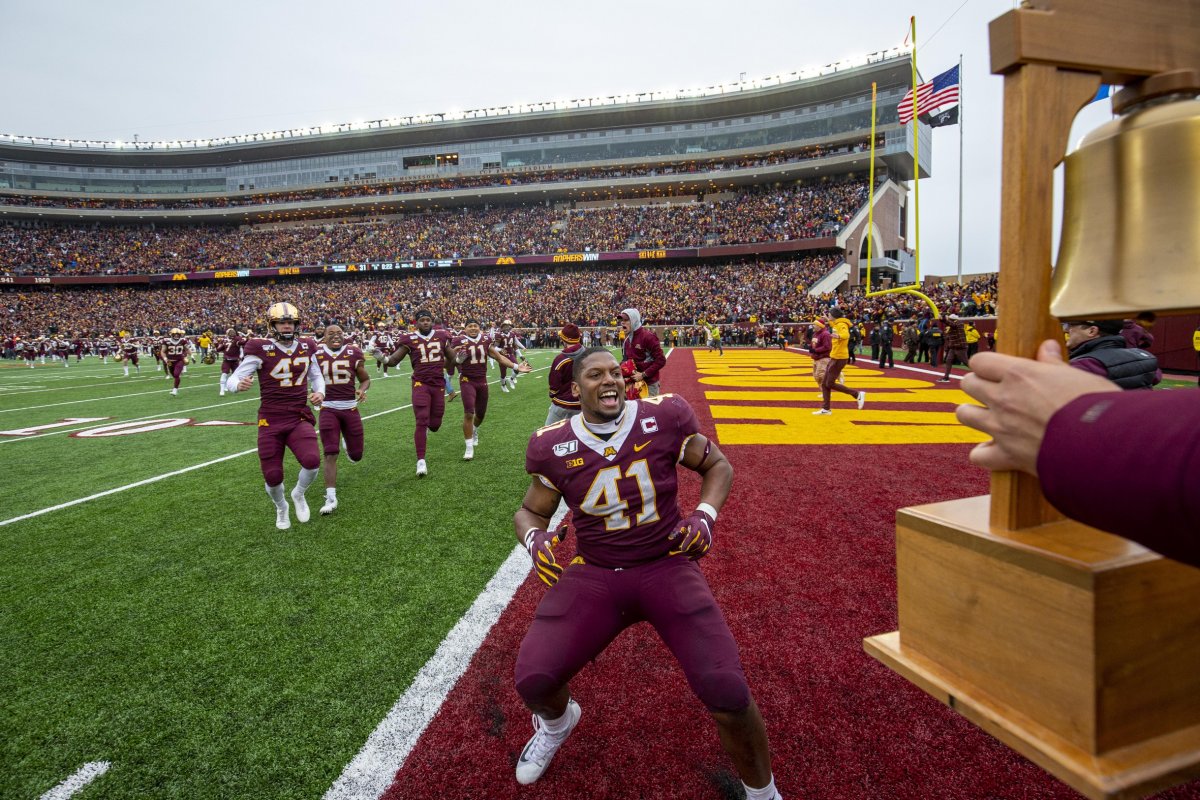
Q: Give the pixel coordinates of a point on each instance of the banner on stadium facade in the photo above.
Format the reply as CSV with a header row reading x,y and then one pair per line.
x,y
655,254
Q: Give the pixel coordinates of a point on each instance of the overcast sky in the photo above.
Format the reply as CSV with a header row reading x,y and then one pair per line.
x,y
163,70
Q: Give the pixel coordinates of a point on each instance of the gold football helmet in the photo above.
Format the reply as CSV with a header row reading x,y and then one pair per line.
x,y
283,312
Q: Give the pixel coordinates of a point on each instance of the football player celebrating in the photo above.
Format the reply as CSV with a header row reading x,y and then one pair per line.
x,y
341,364
509,343
290,379
432,357
615,465
472,349
175,351
129,352
232,349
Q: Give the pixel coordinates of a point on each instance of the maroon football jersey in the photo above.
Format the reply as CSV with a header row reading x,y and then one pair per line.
x,y
129,348
176,349
283,373
508,343
233,348
340,368
428,355
621,490
475,366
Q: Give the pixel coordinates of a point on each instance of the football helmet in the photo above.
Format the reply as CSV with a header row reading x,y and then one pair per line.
x,y
283,312
177,332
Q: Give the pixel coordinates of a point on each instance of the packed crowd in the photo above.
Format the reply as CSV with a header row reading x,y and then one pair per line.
x,y
494,178
762,214
760,292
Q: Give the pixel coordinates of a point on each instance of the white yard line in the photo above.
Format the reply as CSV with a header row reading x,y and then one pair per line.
x,y
164,390
372,771
165,475
173,412
119,382
82,777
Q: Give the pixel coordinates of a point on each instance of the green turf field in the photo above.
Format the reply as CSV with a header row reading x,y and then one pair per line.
x,y
172,631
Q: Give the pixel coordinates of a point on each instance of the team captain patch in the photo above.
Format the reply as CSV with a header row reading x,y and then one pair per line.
x,y
649,425
566,448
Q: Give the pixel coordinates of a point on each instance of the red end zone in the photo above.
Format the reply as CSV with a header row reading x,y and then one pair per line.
x,y
804,567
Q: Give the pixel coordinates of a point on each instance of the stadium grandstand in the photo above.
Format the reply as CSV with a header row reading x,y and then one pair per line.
x,y
714,183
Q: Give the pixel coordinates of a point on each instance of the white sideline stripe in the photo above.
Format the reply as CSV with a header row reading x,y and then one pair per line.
x,y
166,475
96,399
372,771
82,777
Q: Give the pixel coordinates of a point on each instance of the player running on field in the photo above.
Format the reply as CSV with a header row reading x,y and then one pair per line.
x,y
231,350
175,351
289,379
615,464
341,365
129,353
509,342
432,357
472,348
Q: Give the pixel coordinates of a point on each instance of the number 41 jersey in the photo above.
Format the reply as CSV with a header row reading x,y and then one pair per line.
x,y
621,491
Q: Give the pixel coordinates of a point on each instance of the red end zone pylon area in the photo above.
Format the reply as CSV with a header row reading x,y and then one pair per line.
x,y
804,567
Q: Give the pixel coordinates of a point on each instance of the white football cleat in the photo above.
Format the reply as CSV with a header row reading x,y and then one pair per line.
x,y
283,518
302,512
542,747
174,392
821,412
467,456
862,399
422,469
504,385
329,507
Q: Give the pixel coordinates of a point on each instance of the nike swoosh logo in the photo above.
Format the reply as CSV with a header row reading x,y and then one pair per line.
x,y
637,448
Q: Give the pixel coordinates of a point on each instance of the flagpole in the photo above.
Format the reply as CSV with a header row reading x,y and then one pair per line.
x,y
871,190
916,155
960,165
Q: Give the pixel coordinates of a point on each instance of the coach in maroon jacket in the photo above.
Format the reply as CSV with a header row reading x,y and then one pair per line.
x,y
642,346
1086,442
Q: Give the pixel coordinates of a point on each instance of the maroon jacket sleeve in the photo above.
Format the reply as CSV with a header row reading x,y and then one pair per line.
x,y
655,351
1129,463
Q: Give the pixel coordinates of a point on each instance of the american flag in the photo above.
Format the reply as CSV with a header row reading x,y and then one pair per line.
x,y
938,93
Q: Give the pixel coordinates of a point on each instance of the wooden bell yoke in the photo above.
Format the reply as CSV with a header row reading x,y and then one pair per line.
x,y
1079,649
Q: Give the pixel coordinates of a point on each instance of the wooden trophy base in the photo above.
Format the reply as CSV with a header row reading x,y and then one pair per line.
x,y
1078,649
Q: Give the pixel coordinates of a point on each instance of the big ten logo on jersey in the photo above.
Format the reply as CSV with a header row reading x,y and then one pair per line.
x,y
290,372
572,463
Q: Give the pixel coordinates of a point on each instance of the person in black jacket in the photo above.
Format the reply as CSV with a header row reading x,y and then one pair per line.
x,y
1099,348
885,332
933,342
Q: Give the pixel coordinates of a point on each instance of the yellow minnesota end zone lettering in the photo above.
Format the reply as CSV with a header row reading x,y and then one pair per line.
x,y
782,425
742,372
813,395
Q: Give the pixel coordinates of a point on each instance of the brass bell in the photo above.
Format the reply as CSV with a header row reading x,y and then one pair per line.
x,y
1131,207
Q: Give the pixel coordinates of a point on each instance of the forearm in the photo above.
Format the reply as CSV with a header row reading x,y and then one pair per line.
x,y
716,484
396,357
1152,500
316,381
248,367
525,519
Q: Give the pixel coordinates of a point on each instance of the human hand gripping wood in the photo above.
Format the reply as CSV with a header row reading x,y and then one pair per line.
x,y
1020,395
